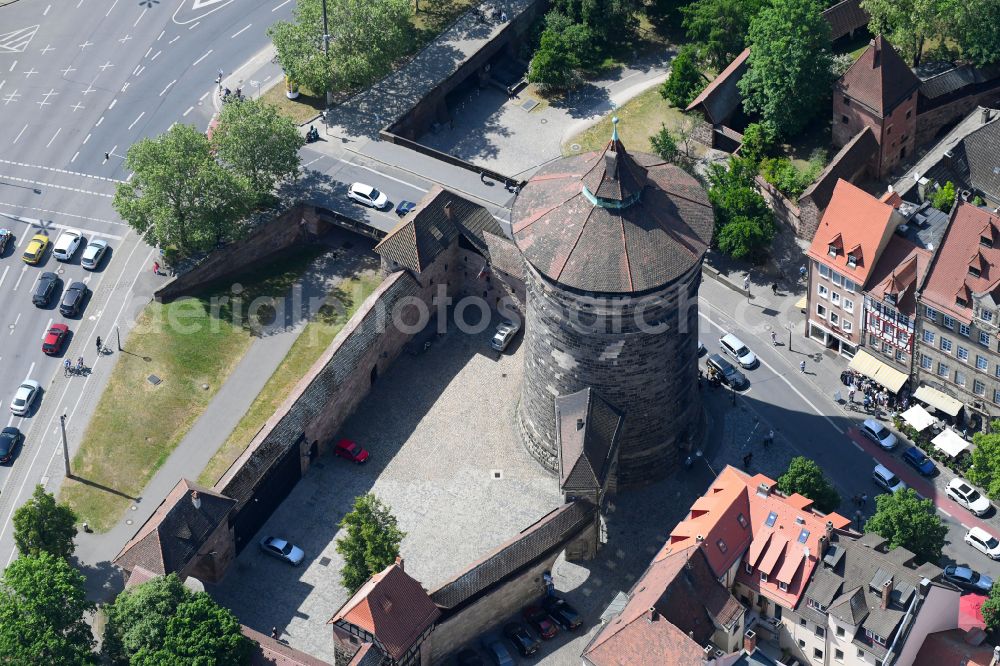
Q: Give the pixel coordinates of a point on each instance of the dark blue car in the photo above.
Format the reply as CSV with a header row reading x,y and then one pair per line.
x,y
404,207
916,459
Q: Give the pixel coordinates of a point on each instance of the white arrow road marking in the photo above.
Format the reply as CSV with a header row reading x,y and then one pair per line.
x,y
17,40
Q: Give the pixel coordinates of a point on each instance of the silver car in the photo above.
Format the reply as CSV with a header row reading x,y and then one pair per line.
x,y
504,335
282,550
93,254
25,397
967,579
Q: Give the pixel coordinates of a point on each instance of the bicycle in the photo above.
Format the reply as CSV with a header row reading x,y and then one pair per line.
x,y
67,368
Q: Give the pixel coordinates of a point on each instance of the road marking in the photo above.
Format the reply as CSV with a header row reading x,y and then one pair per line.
x,y
189,110
58,187
53,137
162,32
124,88
857,446
66,171
32,368
14,326
241,31
141,70
140,17
48,47
174,39
54,212
141,114
155,56
202,98
965,526
148,52
376,171
12,66
280,6
945,512
99,121
49,325
192,27
4,276
201,58
75,155
166,88
17,41
112,7
46,12
23,238
20,133
20,277
313,161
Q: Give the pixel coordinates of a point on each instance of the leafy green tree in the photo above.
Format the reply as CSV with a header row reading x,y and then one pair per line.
x,y
744,225
907,24
985,470
42,525
991,609
258,144
804,477
685,80
908,521
371,543
179,195
611,22
365,37
976,29
553,66
720,26
943,197
758,141
42,606
664,145
163,622
745,237
788,78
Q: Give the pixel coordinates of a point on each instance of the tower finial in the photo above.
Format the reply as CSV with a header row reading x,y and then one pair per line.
x,y
614,131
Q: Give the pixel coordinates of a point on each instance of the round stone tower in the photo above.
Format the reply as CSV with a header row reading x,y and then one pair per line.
x,y
613,245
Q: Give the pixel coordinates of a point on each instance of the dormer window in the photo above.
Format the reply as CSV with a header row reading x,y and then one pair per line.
x,y
783,586
831,250
986,241
741,519
747,567
973,271
852,261
961,302
722,545
875,637
763,577
815,605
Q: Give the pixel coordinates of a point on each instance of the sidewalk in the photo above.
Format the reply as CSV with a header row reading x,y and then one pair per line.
x,y
210,431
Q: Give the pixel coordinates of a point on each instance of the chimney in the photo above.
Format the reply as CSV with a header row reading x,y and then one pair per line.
x,y
886,593
750,641
449,215
829,528
399,563
653,615
195,499
579,424
876,54
763,490
985,115
699,539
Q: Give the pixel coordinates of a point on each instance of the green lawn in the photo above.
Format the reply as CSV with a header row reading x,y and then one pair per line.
x,y
137,425
315,338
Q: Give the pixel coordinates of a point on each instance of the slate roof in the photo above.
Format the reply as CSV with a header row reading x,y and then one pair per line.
x,y
844,17
974,163
170,538
271,652
587,429
439,218
879,79
846,164
504,255
391,606
721,98
610,245
552,532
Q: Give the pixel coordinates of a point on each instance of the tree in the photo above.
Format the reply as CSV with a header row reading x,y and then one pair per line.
x,y
258,144
553,66
365,37
806,478
42,525
663,144
943,197
985,470
685,80
758,141
372,541
908,521
161,621
744,225
611,22
720,26
788,76
991,609
179,195
42,606
908,23
976,29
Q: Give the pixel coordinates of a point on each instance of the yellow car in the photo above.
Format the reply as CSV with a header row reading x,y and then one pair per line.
x,y
36,249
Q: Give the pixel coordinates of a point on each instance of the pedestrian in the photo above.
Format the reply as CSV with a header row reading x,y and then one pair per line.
x,y
156,268
774,338
274,633
774,288
850,395
67,368
100,347
107,156
864,499
482,177
802,270
769,439
746,283
856,499
858,518
802,366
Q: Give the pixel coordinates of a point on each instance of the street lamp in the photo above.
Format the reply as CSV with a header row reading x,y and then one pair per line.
x,y
789,327
326,53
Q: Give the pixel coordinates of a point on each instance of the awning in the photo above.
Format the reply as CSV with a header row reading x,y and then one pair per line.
x,y
878,371
950,442
918,417
802,303
939,400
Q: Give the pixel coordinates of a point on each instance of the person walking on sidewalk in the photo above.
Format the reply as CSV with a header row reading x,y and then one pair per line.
x,y
156,268
802,367
746,283
774,288
864,499
774,339
100,347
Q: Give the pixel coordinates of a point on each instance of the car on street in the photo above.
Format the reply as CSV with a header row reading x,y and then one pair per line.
x,y
281,549
967,579
916,459
36,249
25,397
963,494
469,657
10,439
54,338
879,434
521,638
67,244
404,207
499,654
885,479
734,347
540,622
366,195
701,348
564,614
6,236
45,287
504,334
93,254
72,300
984,542
349,449
726,372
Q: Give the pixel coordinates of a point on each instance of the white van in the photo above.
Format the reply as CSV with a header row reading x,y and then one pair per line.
x,y
886,480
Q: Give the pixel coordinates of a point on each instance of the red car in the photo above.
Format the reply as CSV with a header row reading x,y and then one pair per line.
x,y
54,337
345,448
541,622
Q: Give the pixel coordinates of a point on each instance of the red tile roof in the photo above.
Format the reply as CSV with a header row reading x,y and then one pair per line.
x,y
391,606
949,273
271,652
854,222
879,78
951,647
900,270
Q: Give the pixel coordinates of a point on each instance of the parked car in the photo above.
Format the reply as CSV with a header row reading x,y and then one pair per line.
x,y
404,207
564,614
733,346
44,288
349,449
879,434
93,254
54,338
498,653
10,439
916,459
504,334
963,494
283,550
540,621
469,657
25,397
701,348
6,236
522,639
73,298
885,479
727,373
36,249
67,244
967,579
984,542
366,195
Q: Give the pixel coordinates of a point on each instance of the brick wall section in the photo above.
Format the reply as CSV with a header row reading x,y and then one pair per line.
x,y
785,211
211,568
297,226
932,121
896,133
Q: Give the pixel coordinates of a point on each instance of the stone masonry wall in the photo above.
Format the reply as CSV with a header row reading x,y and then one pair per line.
x,y
784,210
211,567
932,121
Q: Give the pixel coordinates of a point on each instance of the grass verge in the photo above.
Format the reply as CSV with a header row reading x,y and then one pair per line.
x,y
315,338
301,109
137,425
